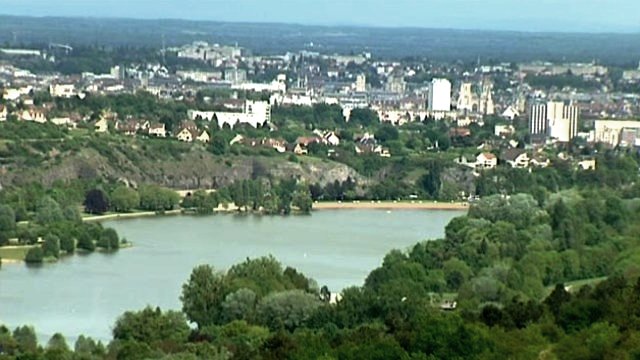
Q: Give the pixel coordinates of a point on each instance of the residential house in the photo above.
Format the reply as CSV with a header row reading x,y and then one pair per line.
x,y
101,126
127,127
372,149
33,114
516,158
460,132
189,134
486,160
278,145
510,113
504,130
62,90
301,146
203,137
540,160
328,137
588,164
185,135
331,138
64,121
299,149
157,130
236,140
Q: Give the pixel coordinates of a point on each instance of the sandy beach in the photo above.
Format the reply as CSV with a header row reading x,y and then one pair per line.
x,y
391,205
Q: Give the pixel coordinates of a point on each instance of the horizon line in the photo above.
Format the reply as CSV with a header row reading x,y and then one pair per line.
x,y
335,25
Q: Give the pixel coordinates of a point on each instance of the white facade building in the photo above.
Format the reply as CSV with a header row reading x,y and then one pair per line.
x,y
538,119
465,98
255,113
609,131
556,119
563,121
62,90
361,83
440,95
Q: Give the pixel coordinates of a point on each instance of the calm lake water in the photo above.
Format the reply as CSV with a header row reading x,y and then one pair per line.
x,y
85,294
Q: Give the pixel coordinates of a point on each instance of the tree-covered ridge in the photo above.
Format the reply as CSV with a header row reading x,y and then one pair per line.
x,y
514,246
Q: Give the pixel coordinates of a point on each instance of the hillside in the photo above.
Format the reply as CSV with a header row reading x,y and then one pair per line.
x,y
162,162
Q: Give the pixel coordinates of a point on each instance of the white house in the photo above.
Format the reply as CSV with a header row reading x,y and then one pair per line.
x,y
62,90
331,138
185,135
203,137
12,94
486,160
189,135
504,130
510,113
64,121
157,130
589,164
101,126
33,114
516,158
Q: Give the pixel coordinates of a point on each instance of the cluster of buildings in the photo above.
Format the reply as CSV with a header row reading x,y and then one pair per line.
x,y
399,92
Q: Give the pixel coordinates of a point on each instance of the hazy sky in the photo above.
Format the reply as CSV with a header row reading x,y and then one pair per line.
x,y
526,15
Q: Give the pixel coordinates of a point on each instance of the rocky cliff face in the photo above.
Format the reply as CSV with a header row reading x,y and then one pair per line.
x,y
190,170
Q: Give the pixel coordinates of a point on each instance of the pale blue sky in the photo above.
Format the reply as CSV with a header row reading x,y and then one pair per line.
x,y
522,15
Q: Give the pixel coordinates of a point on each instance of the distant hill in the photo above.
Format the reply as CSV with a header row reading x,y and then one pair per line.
x,y
437,44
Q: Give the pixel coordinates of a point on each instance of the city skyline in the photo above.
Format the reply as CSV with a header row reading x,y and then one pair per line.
x,y
589,16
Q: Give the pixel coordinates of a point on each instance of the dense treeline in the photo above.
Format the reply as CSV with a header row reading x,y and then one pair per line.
x,y
49,223
258,310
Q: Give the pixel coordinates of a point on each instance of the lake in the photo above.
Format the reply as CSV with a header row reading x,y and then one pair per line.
x,y
84,294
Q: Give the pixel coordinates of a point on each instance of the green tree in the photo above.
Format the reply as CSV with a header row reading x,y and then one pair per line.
x,y
202,296
35,255
51,246
287,310
7,218
57,348
219,144
152,326
85,242
67,244
96,202
302,200
109,240
124,199
87,348
239,305
25,337
48,211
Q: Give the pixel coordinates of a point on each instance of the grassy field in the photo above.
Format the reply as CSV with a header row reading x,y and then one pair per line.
x,y
17,253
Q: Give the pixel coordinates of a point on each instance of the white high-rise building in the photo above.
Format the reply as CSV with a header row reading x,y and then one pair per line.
x,y
538,119
556,119
440,95
361,83
563,121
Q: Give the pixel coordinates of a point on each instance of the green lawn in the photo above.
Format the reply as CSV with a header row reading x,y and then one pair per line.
x,y
14,252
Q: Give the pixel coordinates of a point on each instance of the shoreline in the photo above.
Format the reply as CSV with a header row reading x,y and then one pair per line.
x,y
390,205
133,215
